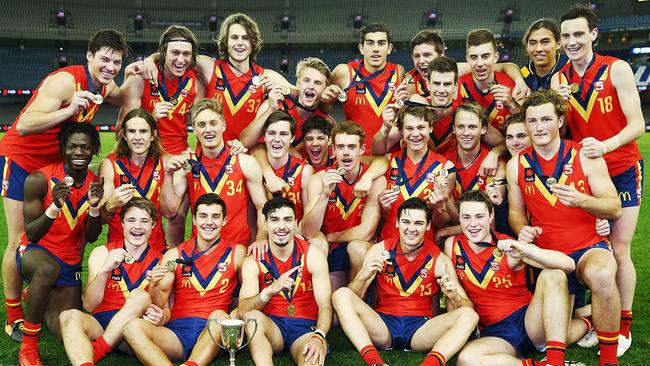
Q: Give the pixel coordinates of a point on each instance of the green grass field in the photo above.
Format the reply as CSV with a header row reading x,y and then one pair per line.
x,y
343,354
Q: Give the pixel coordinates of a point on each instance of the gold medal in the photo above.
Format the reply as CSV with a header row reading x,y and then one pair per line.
x,y
68,181
385,254
399,103
187,167
255,80
574,87
492,84
396,188
171,265
98,99
173,101
129,259
291,310
550,181
341,170
342,97
285,90
443,173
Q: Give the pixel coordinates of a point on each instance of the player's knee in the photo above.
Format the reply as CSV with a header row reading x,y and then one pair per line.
x,y
133,330
357,249
468,356
552,278
341,297
69,317
250,327
601,277
138,299
47,273
218,314
467,316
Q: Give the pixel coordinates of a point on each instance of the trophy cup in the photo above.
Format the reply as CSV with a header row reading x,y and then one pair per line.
x,y
232,335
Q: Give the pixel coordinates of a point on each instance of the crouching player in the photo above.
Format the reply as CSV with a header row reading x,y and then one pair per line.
x,y
408,270
115,293
202,272
512,322
288,291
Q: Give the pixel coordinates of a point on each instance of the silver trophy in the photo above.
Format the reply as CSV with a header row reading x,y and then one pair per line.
x,y
232,335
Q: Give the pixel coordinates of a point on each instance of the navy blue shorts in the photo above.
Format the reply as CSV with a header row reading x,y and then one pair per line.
x,y
13,179
292,328
402,328
629,185
104,317
337,259
188,331
69,275
576,287
512,329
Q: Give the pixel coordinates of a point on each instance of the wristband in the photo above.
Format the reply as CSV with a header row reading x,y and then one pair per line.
x,y
319,335
52,211
264,296
94,211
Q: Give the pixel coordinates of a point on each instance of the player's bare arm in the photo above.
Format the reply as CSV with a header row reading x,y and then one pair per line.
x,y
373,263
255,187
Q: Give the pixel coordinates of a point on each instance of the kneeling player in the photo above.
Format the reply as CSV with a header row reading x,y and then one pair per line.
x,y
491,268
287,291
406,269
204,283
114,293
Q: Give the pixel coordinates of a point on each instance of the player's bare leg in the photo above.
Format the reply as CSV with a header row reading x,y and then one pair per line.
x,y
152,345
62,299
488,351
359,321
176,225
267,341
446,333
77,329
297,348
12,282
356,252
205,349
320,242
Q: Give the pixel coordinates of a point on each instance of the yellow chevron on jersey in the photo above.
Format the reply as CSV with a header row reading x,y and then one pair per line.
x,y
187,88
216,186
346,209
201,287
541,186
464,93
124,287
585,110
70,212
378,108
297,282
85,115
153,184
406,292
479,279
525,72
228,97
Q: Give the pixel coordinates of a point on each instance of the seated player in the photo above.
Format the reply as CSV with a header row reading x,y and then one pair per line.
x,y
288,292
556,194
312,77
61,214
348,222
491,269
116,290
202,275
135,168
408,271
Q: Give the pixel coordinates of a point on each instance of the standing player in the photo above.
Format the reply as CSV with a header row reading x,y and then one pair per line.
x,y
491,268
542,42
312,77
135,168
203,280
605,117
348,222
366,87
115,293
288,292
563,192
61,214
73,93
416,171
211,169
486,86
407,271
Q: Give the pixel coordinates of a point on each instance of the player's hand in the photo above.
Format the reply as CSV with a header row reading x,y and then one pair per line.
x,y
513,248
275,98
521,90
134,68
236,147
95,192
564,90
401,92
493,193
314,352
154,314
528,234
80,100
593,148
284,282
157,274
113,260
175,163
438,200
489,165
149,70
60,193
269,83
388,116
331,94
274,184
361,189
602,227
121,195
568,195
162,110
330,179
502,94
257,249
447,284
372,265
387,198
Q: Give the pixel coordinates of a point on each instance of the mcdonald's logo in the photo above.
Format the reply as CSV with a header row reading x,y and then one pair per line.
x,y
624,196
360,100
530,189
186,283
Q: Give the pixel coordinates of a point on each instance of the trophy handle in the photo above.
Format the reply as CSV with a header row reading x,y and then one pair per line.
x,y
254,332
216,341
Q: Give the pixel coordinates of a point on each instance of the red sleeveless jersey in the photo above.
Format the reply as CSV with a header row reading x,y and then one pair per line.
x,y
66,235
467,178
343,208
497,112
443,137
149,180
127,277
495,289
421,87
406,287
414,180
595,110
366,100
239,97
36,151
173,128
294,110
301,294
223,176
565,229
205,282
291,173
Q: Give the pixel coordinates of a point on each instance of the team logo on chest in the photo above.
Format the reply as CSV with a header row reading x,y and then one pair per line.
x,y
229,169
116,275
460,263
424,273
529,175
223,267
219,85
568,169
186,271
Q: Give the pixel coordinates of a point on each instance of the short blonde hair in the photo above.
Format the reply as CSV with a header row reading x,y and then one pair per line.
x,y
314,63
209,104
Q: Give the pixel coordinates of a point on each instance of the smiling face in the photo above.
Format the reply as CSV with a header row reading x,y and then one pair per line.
x,y
104,64
517,138
278,139
239,44
281,226
543,124
481,60
443,88
423,54
78,152
138,135
412,225
475,220
576,39
178,57
375,49
348,150
208,128
209,220
415,132
468,130
542,48
311,83
316,145
138,226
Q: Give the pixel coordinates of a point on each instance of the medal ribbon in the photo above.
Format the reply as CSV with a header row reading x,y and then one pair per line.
x,y
558,164
198,255
297,103
273,268
402,178
582,79
362,79
406,284
89,81
162,88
